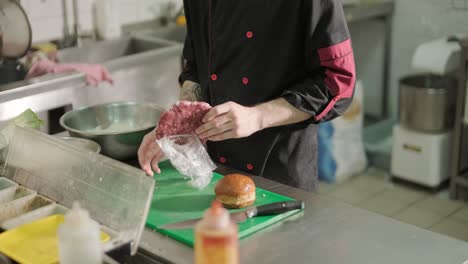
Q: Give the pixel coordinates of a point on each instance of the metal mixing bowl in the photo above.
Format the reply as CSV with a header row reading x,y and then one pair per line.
x,y
118,128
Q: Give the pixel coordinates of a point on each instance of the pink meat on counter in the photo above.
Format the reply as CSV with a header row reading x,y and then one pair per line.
x,y
182,118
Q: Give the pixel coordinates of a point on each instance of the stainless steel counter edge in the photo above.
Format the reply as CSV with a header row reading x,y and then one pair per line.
x,y
51,82
39,94
34,86
328,231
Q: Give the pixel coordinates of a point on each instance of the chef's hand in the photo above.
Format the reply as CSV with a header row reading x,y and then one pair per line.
x,y
149,154
229,120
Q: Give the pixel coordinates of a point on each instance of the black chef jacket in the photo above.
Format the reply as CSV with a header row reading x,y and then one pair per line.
x,y
254,51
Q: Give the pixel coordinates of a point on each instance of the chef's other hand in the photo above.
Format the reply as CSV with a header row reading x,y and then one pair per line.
x,y
229,120
149,154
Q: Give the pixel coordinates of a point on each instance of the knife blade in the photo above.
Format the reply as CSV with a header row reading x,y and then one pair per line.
x,y
242,216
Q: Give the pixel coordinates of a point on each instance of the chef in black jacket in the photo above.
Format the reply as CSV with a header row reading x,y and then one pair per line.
x,y
273,70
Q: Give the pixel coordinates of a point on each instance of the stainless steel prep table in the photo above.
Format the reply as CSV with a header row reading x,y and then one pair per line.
x,y
328,231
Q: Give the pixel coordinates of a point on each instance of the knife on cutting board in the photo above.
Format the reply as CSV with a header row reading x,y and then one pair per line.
x,y
242,216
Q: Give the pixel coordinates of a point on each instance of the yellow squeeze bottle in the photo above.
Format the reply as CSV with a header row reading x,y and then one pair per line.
x,y
216,237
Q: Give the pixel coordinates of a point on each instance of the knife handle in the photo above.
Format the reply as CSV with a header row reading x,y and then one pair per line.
x,y
279,208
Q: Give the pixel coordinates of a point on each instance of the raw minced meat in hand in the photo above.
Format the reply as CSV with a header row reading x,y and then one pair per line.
x,y
182,118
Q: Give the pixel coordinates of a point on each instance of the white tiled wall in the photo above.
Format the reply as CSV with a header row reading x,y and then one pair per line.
x,y
46,16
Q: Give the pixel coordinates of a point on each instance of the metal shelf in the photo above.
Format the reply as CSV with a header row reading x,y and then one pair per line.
x,y
382,11
361,12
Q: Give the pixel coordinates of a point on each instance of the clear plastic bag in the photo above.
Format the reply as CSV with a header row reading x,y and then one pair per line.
x,y
188,155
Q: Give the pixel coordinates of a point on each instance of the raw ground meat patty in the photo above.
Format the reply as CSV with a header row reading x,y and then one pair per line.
x,y
183,118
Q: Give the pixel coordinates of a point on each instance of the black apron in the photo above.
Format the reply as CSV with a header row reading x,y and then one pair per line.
x,y
254,51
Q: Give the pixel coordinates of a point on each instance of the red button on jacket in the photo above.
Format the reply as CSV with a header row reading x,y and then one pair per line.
x,y
214,77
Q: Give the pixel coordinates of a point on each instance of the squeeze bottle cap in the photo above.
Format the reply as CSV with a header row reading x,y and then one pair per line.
x,y
216,217
77,216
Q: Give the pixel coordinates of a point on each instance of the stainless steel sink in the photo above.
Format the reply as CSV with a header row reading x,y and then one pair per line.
x,y
149,77
172,33
104,51
144,69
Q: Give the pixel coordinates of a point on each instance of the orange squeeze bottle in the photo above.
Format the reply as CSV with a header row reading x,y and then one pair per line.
x,y
216,237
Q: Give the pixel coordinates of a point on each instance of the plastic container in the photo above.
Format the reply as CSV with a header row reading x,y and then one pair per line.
x,y
34,215
79,240
44,212
7,190
107,22
116,195
35,242
84,143
216,238
23,201
378,143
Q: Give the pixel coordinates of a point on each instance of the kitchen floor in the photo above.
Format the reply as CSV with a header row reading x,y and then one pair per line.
x,y
428,209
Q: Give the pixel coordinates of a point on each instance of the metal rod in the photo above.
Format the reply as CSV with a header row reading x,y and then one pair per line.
x,y
76,23
386,67
457,133
66,30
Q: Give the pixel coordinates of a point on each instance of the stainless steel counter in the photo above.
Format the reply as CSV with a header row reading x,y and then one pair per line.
x,y
149,76
40,94
328,231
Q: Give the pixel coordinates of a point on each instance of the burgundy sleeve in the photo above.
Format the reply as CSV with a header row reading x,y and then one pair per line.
x,y
328,88
189,69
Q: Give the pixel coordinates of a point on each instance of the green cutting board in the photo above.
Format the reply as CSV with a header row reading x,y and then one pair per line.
x,y
175,200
